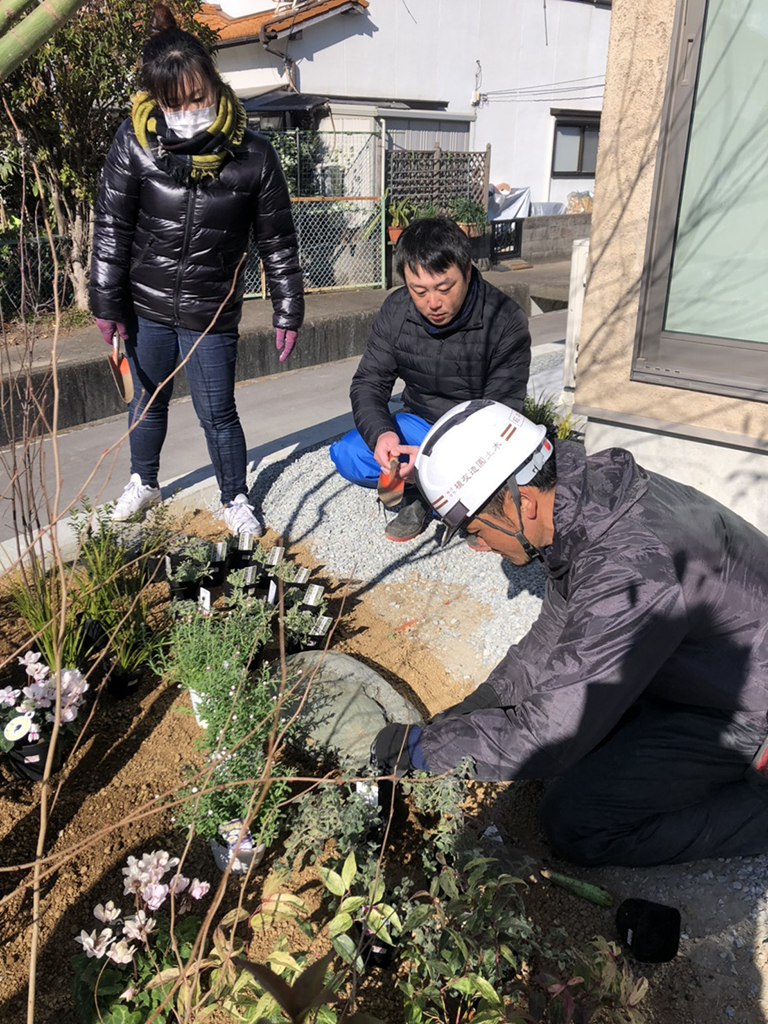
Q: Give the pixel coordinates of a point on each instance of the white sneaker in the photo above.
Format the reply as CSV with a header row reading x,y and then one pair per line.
x,y
239,517
134,498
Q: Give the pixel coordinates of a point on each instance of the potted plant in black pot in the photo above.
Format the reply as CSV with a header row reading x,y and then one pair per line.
x,y
28,714
188,567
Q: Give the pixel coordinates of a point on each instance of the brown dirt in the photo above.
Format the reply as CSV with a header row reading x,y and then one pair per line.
x,y
107,807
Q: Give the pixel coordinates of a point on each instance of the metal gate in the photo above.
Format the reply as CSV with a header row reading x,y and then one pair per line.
x,y
335,183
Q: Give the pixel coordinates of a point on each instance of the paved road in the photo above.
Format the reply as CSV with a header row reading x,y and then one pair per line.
x,y
279,413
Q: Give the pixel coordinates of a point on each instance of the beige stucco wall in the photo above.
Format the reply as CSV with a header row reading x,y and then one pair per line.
x,y
635,81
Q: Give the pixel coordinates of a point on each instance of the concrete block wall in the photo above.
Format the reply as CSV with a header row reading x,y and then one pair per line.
x,y
546,239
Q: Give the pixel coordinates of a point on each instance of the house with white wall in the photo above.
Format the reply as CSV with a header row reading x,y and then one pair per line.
x,y
525,77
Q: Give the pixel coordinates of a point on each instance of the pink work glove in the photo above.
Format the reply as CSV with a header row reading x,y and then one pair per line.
x,y
284,342
108,328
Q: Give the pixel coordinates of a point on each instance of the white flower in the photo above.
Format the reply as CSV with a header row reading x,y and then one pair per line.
x,y
133,879
178,884
9,696
126,996
72,681
154,895
198,889
95,944
38,694
68,714
139,926
148,870
35,668
121,952
107,912
34,733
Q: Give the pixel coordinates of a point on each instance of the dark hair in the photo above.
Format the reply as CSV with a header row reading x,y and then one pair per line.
x,y
432,244
174,60
544,480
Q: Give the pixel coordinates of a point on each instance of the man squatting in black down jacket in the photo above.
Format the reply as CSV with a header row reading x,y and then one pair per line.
x,y
450,336
643,685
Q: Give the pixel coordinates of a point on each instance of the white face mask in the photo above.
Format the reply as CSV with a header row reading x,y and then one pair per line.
x,y
187,123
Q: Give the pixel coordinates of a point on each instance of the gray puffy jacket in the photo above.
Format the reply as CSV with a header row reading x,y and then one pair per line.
x,y
652,588
170,251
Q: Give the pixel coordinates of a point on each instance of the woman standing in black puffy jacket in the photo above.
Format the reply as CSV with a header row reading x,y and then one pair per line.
x,y
184,183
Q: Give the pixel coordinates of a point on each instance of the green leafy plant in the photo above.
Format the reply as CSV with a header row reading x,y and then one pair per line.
x,y
112,586
400,212
42,599
464,941
331,811
466,211
239,721
544,410
604,983
189,560
425,210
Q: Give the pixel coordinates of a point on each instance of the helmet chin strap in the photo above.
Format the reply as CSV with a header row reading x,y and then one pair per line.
x,y
532,552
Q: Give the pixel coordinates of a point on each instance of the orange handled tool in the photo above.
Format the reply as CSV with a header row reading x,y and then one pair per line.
x,y
121,371
391,484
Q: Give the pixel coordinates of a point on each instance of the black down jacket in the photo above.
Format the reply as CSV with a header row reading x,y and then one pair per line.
x,y
169,251
653,588
488,357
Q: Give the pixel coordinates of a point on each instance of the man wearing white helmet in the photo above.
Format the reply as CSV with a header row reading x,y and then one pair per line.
x,y
643,685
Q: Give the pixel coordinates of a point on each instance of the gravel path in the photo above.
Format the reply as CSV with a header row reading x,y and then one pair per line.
x,y
724,903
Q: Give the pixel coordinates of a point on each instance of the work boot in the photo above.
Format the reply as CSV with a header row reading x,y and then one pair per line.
x,y
412,518
135,498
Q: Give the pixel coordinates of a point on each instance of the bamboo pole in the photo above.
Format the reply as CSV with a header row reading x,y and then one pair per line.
x,y
22,39
10,10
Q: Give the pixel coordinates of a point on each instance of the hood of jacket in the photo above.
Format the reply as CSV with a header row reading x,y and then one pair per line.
x,y
591,494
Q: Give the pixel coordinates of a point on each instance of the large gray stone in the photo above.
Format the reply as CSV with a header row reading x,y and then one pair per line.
x,y
347,704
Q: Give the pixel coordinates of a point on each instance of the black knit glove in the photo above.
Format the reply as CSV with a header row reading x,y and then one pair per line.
x,y
389,751
481,699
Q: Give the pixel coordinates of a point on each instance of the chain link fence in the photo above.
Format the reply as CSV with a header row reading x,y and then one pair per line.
x,y
26,275
334,180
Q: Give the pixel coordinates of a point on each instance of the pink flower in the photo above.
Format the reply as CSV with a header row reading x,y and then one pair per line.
x,y
198,889
95,945
126,996
154,895
139,926
178,884
34,733
121,952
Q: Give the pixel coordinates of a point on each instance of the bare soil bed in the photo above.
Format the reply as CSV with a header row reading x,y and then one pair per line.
x,y
135,752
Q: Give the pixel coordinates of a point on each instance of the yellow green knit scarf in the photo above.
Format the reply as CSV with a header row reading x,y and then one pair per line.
x,y
203,155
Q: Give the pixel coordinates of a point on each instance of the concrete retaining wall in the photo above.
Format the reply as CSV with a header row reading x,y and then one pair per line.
x,y
546,239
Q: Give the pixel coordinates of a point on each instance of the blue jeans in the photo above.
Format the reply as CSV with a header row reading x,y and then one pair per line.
x,y
152,350
354,459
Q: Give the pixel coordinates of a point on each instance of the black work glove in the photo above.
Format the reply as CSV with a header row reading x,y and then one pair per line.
x,y
389,750
481,699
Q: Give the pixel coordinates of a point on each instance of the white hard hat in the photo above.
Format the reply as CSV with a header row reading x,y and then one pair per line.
x,y
470,452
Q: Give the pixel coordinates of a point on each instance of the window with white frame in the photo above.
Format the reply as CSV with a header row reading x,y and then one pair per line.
x,y
703,320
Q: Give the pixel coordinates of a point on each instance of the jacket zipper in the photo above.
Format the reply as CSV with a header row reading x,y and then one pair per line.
x,y
183,255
